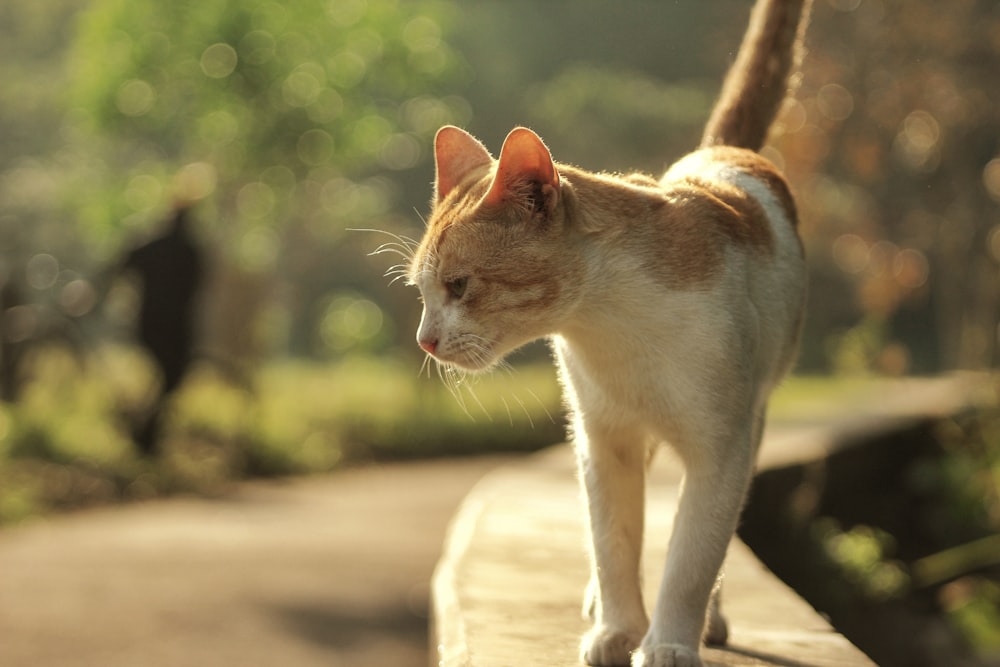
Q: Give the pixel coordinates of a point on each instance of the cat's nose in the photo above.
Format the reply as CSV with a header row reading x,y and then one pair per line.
x,y
428,346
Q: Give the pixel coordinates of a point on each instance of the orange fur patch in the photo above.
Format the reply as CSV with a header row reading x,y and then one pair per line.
x,y
513,264
691,237
761,169
680,231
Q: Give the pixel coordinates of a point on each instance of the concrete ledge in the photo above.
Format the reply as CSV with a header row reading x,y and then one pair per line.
x,y
509,587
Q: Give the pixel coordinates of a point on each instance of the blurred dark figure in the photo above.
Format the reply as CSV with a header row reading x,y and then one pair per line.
x,y
170,269
11,341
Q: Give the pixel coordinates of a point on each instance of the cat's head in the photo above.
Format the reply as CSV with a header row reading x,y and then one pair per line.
x,y
493,269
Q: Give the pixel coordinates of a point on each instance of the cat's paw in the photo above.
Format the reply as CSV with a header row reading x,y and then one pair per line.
x,y
665,655
604,646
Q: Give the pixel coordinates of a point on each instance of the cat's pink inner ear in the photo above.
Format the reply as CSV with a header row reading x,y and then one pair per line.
x,y
456,154
523,158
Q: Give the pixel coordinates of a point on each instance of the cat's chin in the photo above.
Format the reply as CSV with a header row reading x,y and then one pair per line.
x,y
471,365
478,359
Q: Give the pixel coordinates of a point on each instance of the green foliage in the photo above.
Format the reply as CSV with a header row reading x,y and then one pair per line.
x,y
857,350
66,415
863,555
972,474
274,109
961,528
66,443
617,110
891,147
974,608
968,482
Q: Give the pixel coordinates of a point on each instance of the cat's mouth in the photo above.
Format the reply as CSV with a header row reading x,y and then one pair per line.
x,y
468,352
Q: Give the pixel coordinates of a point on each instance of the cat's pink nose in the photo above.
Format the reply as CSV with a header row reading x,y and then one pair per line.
x,y
428,346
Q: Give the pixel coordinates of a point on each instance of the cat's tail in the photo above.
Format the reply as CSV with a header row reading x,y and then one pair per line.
x,y
760,77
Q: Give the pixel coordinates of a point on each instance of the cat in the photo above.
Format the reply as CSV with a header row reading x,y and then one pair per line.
x,y
673,307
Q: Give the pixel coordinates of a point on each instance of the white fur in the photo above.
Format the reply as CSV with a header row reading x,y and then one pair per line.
x,y
644,365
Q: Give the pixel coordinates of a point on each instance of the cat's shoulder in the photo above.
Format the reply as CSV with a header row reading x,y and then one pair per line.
x,y
720,198
722,169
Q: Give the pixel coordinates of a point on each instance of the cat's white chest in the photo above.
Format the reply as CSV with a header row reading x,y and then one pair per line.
x,y
644,369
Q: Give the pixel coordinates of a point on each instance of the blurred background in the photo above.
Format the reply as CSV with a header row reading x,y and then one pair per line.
x,y
192,195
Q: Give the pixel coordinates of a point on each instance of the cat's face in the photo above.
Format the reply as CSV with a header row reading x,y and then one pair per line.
x,y
489,268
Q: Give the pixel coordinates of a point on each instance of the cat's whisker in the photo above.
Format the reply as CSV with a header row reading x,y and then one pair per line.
x,y
481,350
405,241
449,377
397,272
505,366
472,393
526,413
421,216
395,268
403,246
388,246
426,365
393,248
506,406
446,381
541,405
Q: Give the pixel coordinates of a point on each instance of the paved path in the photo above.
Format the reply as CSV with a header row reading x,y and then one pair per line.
x,y
325,571
508,590
510,586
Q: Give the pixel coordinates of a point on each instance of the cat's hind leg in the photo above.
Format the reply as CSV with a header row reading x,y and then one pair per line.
x,y
716,626
612,469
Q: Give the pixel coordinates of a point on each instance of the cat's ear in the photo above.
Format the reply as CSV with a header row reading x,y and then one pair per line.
x,y
525,170
456,153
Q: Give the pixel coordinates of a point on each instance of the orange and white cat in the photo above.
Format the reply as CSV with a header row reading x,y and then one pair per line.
x,y
674,307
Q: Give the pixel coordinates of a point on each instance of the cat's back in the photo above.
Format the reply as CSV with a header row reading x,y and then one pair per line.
x,y
725,206
758,204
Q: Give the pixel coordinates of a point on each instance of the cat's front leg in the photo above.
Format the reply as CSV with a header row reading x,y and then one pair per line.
x,y
712,495
612,468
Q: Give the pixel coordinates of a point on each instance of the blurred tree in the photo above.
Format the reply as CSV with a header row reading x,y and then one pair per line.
x,y
40,294
891,141
293,122
278,117
894,146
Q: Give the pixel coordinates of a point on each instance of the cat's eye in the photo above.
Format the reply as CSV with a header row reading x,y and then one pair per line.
x,y
456,288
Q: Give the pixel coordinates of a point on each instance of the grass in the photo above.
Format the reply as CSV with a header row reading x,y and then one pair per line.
x,y
66,443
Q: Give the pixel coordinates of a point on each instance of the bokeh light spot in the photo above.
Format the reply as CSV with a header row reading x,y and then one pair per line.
x,y
42,271
219,60
835,102
255,200
910,268
851,253
135,98
400,151
315,147
257,47
195,181
991,178
348,321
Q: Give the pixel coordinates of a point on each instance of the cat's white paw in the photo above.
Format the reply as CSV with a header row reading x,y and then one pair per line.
x,y
665,655
604,646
